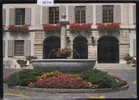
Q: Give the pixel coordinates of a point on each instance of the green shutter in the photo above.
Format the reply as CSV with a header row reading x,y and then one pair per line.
x,y
4,17
3,48
27,47
134,14
10,48
89,14
62,10
99,14
71,14
134,47
28,16
117,13
12,16
45,15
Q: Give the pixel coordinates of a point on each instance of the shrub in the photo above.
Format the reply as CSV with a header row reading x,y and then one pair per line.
x,y
102,79
128,58
24,77
22,63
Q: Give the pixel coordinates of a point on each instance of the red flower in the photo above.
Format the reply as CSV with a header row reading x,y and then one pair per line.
x,y
108,26
18,28
80,27
60,81
51,27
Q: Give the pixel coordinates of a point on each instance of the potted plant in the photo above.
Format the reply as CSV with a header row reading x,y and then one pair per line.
x,y
18,28
108,26
22,63
76,27
51,27
60,53
128,59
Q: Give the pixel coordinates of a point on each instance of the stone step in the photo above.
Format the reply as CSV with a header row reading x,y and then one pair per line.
x,y
113,66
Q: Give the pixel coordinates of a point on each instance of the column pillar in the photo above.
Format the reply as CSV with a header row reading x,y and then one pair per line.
x,y
64,22
63,36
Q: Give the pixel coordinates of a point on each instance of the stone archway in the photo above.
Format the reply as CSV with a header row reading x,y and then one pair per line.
x,y
108,50
51,43
80,48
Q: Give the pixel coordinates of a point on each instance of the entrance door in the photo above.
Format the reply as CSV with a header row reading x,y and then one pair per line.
x,y
50,44
108,50
80,48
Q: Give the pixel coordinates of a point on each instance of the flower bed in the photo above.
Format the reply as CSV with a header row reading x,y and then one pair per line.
x,y
18,28
86,80
108,26
51,27
80,27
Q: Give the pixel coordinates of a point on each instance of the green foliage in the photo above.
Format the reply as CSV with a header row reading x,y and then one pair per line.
x,y
103,79
24,77
22,63
128,58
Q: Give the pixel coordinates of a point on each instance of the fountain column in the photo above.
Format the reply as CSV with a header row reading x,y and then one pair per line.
x,y
63,33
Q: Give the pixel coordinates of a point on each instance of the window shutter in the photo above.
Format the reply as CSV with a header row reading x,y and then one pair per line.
x,y
134,14
45,14
37,18
10,48
28,16
62,10
134,47
89,14
12,16
71,14
4,17
3,48
117,13
27,48
99,14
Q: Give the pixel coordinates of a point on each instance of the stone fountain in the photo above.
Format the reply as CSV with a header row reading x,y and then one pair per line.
x,y
64,65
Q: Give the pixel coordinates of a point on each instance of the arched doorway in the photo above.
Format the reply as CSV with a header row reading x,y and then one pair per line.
x,y
80,48
108,50
51,43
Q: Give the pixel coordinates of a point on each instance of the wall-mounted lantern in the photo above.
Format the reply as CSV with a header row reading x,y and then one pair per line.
x,y
68,40
93,41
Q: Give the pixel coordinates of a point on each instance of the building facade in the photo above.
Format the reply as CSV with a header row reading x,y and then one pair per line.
x,y
104,46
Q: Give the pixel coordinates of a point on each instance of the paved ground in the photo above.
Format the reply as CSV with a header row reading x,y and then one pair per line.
x,y
127,74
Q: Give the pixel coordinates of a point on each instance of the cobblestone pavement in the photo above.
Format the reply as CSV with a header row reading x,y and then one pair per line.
x,y
131,92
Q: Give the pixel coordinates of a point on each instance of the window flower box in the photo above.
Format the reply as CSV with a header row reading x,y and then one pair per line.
x,y
108,26
80,27
51,27
18,28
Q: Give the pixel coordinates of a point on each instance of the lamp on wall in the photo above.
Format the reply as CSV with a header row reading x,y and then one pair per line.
x,y
93,41
68,40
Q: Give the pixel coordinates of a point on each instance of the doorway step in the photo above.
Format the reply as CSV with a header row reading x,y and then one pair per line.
x,y
114,66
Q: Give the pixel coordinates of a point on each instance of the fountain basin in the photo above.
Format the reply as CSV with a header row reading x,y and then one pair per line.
x,y
64,65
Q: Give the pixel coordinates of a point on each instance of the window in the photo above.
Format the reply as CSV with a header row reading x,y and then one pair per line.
x,y
80,14
19,48
53,15
20,16
107,13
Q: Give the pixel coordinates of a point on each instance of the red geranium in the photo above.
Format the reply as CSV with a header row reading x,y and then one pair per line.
x,y
51,27
108,26
80,27
60,81
18,28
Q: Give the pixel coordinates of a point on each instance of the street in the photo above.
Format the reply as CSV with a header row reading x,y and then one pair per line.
x,y
131,92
